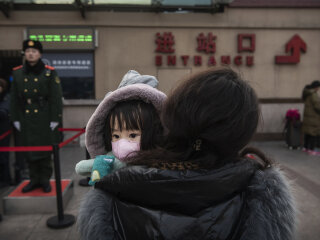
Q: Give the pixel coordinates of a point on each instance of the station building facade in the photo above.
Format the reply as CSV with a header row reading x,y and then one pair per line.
x,y
276,47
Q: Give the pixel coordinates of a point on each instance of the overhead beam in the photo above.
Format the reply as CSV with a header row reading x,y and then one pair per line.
x,y
5,8
84,8
81,7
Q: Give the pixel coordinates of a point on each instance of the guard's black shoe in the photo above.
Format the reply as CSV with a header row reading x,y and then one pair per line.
x,y
46,187
29,187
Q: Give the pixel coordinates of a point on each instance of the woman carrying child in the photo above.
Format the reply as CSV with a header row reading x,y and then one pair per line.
x,y
199,184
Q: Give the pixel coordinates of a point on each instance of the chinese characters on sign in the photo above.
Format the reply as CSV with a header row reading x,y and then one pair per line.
x,y
165,43
82,63
71,64
206,43
75,38
61,38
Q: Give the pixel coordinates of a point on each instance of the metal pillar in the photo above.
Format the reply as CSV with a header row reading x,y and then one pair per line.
x,y
62,220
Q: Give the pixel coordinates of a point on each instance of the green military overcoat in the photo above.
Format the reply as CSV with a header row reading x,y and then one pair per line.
x,y
311,115
36,100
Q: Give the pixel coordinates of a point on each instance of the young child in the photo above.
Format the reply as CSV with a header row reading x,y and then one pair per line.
x,y
126,121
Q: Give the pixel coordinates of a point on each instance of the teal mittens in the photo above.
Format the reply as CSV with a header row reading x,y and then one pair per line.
x,y
99,167
84,167
102,166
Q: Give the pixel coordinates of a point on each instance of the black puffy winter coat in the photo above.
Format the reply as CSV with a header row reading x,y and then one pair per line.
x,y
237,201
4,118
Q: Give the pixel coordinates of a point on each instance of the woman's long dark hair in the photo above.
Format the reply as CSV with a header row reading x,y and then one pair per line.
x,y
208,119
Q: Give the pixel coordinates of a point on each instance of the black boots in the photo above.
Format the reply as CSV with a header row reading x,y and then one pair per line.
x,y
29,187
85,182
46,187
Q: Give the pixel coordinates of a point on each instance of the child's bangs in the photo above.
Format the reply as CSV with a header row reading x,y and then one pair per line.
x,y
127,115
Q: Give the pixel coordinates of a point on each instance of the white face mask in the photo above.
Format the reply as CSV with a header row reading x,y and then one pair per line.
x,y
124,148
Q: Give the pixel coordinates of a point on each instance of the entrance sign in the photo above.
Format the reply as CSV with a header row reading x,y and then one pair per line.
x,y
206,43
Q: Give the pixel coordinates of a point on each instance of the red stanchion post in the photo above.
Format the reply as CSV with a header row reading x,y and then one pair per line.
x,y
62,220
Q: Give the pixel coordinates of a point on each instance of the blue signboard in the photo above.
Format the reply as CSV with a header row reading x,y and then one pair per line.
x,y
71,64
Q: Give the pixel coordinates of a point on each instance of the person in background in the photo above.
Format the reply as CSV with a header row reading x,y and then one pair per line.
x,y
202,183
5,177
36,112
311,117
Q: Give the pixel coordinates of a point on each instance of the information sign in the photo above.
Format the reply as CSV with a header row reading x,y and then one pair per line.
x,y
63,38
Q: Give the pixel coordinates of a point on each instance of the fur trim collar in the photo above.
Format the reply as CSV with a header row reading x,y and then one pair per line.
x,y
271,209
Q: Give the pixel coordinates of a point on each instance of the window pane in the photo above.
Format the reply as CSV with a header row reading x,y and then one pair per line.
x,y
77,87
76,71
53,1
133,2
186,2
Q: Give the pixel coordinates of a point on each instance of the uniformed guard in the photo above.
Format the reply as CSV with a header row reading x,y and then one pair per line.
x,y
36,112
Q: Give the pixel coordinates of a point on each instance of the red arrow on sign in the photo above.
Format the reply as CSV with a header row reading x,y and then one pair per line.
x,y
294,45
